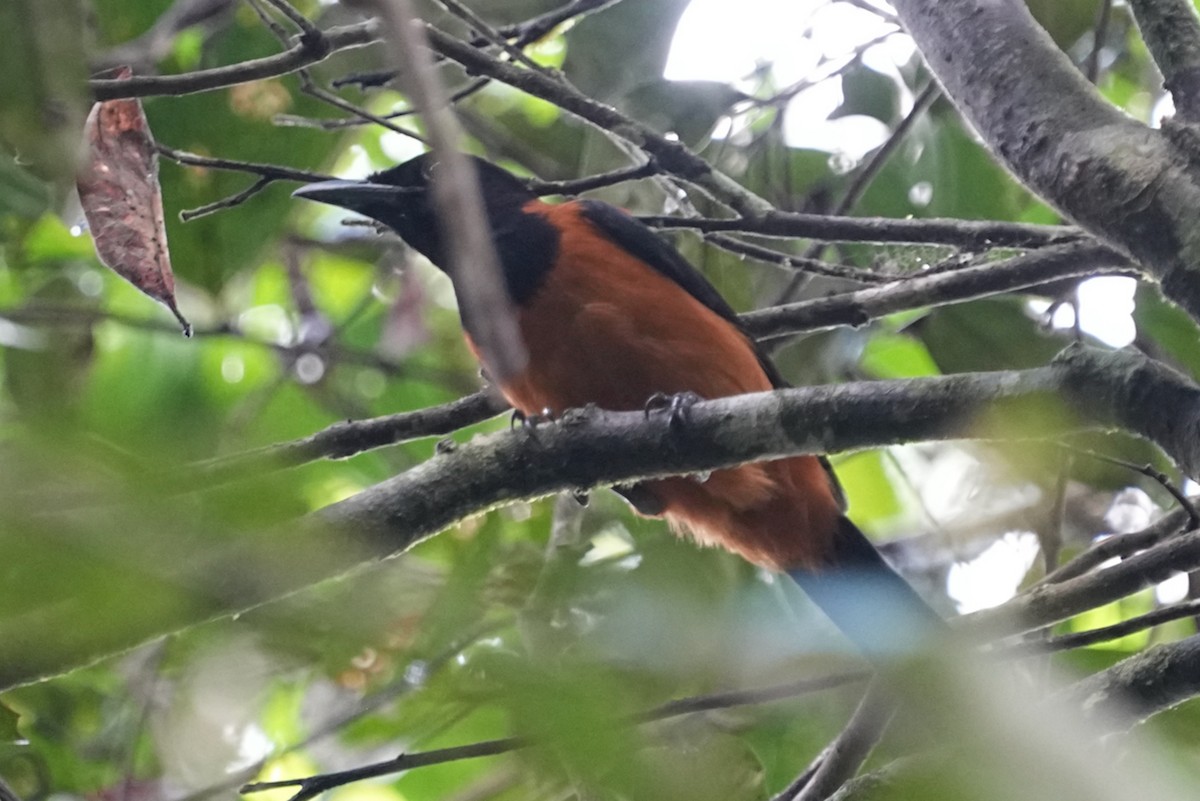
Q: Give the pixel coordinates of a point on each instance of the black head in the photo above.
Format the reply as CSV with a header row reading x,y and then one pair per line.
x,y
400,198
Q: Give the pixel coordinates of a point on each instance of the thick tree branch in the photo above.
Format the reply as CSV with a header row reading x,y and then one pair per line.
x,y
852,308
1138,687
1172,33
1083,389
1128,184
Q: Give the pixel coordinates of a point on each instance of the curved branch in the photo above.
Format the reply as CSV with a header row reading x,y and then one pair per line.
x,y
1172,33
305,52
1139,687
213,576
843,757
1128,184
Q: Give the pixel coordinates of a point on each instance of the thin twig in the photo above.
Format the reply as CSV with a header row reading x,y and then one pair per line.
x,y
294,120
859,307
455,191
869,171
346,439
801,264
871,8
312,786
307,85
576,186
1119,546
1115,631
970,234
846,754
672,156
187,215
1150,472
1099,34
307,28
303,53
865,176
520,34
482,28
271,172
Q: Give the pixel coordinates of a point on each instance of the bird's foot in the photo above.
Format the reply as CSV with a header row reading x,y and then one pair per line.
x,y
530,422
676,406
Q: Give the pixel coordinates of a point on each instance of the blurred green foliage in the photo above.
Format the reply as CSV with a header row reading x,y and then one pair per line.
x,y
495,628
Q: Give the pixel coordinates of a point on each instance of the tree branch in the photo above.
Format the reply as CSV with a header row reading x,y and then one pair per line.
x,y
1172,33
955,286
310,786
847,753
671,155
1129,185
1083,388
1083,639
970,234
1119,546
1136,688
305,52
1046,604
345,439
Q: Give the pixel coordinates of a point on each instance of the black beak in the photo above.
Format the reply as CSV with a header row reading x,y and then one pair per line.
x,y
353,195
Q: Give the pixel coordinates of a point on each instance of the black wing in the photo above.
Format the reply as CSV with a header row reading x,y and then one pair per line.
x,y
652,249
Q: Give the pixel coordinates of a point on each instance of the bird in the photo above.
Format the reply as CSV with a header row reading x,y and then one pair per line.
x,y
613,315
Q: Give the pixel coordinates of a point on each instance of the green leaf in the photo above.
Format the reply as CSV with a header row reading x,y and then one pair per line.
x,y
1065,20
897,356
870,93
21,193
8,724
1167,326
866,477
994,334
689,109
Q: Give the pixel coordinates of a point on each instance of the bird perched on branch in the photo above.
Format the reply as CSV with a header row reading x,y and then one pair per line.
x,y
611,314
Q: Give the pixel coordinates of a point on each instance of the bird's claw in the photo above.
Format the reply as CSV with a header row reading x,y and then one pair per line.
x,y
676,406
530,422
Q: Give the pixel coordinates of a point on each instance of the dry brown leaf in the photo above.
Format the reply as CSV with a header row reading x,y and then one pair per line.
x,y
122,200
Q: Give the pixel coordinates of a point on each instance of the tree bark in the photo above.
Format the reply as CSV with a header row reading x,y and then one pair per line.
x,y
206,575
1132,186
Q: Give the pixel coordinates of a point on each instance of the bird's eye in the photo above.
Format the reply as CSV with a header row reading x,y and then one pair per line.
x,y
428,169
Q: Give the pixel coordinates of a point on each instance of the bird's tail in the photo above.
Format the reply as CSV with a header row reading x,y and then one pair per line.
x,y
867,599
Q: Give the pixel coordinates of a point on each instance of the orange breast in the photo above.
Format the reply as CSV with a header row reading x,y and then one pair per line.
x,y
605,328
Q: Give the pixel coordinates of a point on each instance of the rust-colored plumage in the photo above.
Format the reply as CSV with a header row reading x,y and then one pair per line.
x,y
605,328
612,315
